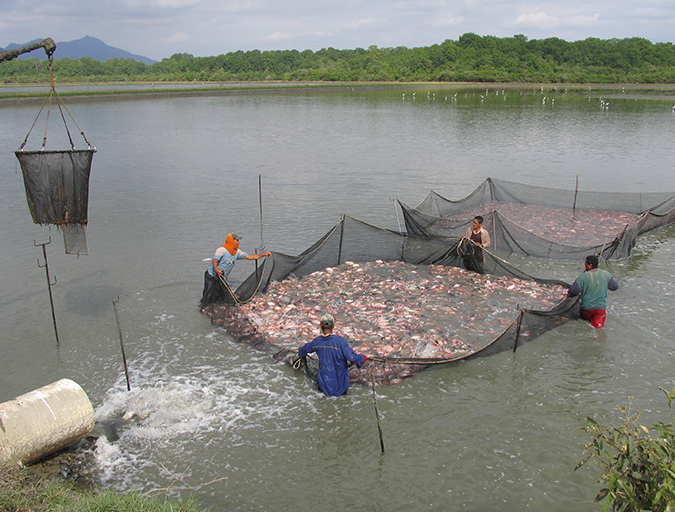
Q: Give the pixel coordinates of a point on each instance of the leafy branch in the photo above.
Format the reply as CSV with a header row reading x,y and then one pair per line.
x,y
639,469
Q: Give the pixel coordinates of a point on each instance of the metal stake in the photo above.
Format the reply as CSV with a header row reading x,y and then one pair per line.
x,y
49,284
119,330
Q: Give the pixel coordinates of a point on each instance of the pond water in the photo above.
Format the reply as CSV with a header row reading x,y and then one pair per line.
x,y
173,175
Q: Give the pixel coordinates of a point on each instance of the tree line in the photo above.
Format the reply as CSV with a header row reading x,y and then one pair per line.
x,y
471,58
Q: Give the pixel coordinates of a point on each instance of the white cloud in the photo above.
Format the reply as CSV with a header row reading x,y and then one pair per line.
x,y
277,36
582,21
211,27
538,20
175,4
179,37
448,21
360,23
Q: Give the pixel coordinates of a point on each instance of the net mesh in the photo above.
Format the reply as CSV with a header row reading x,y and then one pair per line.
x,y
545,222
57,189
406,302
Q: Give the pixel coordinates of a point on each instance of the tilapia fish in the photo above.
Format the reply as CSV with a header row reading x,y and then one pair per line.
x,y
561,225
388,311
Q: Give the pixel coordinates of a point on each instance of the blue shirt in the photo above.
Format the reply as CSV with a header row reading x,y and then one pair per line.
x,y
333,352
226,261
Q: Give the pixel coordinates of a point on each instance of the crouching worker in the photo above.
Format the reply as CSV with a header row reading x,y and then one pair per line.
x,y
220,267
593,285
334,355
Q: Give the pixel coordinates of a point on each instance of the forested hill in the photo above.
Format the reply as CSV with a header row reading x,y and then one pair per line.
x,y
472,58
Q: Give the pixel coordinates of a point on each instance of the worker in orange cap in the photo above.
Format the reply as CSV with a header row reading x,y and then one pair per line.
x,y
220,267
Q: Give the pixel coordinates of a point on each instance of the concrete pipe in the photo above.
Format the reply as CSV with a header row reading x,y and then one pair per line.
x,y
44,421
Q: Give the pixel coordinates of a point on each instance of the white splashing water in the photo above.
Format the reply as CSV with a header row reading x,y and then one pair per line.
x,y
224,398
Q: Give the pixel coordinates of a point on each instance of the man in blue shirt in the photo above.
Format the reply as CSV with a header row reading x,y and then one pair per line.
x,y
593,285
221,266
334,353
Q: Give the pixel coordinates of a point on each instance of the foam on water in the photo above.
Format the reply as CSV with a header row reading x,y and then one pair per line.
x,y
175,413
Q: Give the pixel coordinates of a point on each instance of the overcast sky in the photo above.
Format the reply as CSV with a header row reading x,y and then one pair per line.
x,y
160,28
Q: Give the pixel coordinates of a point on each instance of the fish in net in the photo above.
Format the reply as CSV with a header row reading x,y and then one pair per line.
x,y
545,222
403,316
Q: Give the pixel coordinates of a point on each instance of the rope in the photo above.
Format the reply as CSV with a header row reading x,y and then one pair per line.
x,y
297,364
34,122
49,109
238,302
48,101
398,222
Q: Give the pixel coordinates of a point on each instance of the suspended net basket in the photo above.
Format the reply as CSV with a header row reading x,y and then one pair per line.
x,y
404,301
57,181
545,222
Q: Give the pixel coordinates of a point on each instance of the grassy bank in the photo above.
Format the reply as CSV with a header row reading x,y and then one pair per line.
x,y
27,489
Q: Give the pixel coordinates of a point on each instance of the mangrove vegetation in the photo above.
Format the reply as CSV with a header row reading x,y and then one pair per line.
x,y
471,58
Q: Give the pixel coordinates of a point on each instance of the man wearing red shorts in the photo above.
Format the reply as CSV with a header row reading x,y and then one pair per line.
x,y
593,285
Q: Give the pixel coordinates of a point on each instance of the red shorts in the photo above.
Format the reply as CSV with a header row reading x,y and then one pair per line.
x,y
595,316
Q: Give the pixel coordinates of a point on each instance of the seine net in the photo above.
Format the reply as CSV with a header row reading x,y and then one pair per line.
x,y
404,301
545,222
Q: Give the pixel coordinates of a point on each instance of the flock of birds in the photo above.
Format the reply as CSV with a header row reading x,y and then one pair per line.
x,y
432,96
604,105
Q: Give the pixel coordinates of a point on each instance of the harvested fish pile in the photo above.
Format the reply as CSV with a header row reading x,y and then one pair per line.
x,y
562,225
389,310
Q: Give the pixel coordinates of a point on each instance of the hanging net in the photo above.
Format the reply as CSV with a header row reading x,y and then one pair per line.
x,y
406,302
545,222
57,181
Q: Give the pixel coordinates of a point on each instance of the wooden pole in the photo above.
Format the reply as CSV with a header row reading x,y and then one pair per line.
x,y
262,242
576,191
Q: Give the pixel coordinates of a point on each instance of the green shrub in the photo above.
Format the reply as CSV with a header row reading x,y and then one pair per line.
x,y
639,469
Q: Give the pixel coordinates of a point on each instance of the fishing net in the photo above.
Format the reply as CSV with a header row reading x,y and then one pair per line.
x,y
404,301
57,181
545,222
57,185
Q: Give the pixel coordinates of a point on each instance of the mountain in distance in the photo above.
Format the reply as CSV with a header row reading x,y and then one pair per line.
x,y
86,47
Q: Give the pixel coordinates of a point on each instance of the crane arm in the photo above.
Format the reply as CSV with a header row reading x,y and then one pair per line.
x,y
48,44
